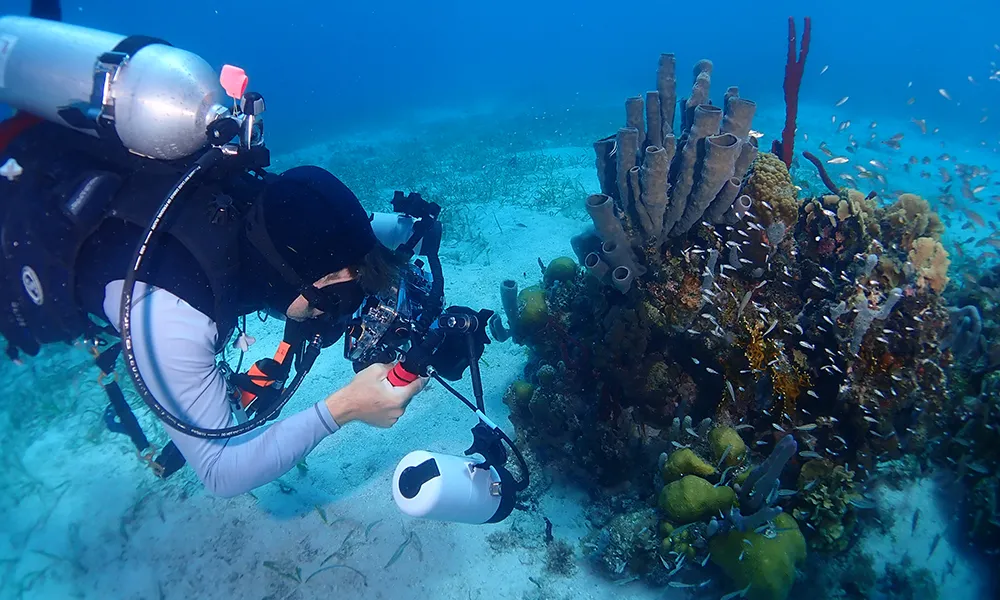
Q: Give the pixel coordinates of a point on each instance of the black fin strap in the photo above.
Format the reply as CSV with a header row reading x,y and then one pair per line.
x,y
126,422
170,460
119,418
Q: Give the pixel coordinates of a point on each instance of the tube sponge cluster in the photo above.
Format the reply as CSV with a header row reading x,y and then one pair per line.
x,y
657,183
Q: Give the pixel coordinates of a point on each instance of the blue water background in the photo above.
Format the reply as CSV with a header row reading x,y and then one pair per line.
x,y
328,68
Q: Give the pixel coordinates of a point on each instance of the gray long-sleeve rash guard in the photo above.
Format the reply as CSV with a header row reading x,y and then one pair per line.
x,y
175,351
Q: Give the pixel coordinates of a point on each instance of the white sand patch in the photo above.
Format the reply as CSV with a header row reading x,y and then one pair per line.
x,y
955,569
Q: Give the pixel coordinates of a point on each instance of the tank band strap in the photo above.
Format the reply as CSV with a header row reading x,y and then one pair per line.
x,y
134,43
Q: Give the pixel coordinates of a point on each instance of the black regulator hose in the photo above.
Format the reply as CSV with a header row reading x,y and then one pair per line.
x,y
202,165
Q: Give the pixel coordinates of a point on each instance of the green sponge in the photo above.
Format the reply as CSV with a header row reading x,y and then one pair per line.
x,y
765,564
691,499
560,269
721,438
685,462
532,312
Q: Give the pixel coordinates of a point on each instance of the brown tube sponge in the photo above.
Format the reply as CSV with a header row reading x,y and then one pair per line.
x,y
596,266
723,200
634,191
699,91
508,300
748,152
666,89
715,169
654,129
584,243
705,123
606,165
620,255
738,116
731,92
621,279
628,147
654,191
633,113
601,209
616,255
737,211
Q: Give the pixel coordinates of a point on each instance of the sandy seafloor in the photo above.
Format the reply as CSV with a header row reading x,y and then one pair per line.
x,y
95,524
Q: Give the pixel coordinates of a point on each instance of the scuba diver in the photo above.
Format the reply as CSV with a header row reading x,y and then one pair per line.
x,y
135,205
298,245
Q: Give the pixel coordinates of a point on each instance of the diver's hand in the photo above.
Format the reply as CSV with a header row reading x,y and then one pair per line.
x,y
370,398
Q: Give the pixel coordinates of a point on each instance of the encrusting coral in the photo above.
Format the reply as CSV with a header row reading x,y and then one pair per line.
x,y
824,501
930,259
775,197
914,217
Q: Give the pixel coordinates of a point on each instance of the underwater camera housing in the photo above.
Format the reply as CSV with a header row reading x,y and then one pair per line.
x,y
382,329
408,325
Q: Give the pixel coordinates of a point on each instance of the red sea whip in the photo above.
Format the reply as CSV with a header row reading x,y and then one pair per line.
x,y
793,79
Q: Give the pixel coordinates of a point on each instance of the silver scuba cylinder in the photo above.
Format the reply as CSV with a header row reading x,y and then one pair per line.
x,y
159,101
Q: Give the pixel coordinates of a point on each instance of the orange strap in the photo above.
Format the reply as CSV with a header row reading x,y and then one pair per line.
x,y
259,377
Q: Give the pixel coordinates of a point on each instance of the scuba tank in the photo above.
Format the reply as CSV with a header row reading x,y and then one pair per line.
x,y
156,99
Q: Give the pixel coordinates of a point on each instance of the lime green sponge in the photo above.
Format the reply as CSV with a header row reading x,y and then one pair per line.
x,y
721,438
685,462
560,269
691,499
532,312
767,565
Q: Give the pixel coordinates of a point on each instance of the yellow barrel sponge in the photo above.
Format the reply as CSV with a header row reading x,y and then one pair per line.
x,y
532,311
685,462
774,195
767,565
691,499
561,269
721,438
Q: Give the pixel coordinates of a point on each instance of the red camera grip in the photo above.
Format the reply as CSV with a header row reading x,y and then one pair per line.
x,y
399,377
